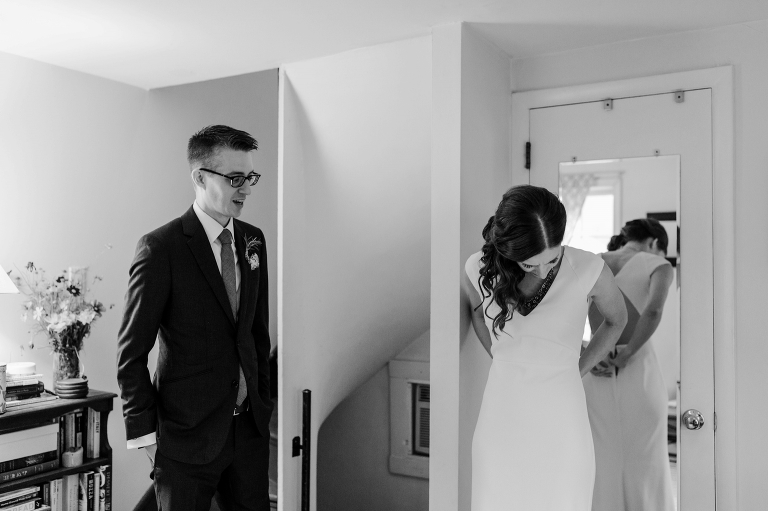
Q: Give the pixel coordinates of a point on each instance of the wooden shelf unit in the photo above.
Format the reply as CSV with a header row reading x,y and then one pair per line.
x,y
99,400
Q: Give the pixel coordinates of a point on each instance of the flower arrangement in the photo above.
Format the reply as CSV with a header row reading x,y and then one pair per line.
x,y
58,306
251,248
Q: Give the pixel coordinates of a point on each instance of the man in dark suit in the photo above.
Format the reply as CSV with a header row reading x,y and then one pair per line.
x,y
198,284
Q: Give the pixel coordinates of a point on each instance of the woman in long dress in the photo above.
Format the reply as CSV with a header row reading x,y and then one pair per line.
x,y
626,394
532,448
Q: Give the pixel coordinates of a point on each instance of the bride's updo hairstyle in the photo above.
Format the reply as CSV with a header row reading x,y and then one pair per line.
x,y
640,230
528,221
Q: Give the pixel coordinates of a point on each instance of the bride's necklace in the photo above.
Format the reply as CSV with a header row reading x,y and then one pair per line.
x,y
533,301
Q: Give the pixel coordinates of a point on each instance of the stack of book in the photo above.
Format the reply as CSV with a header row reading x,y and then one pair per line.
x,y
86,491
29,451
26,499
23,390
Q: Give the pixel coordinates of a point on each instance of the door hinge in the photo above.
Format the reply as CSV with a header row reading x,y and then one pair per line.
x,y
714,421
528,155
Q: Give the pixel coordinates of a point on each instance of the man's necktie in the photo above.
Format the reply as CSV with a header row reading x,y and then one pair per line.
x,y
230,283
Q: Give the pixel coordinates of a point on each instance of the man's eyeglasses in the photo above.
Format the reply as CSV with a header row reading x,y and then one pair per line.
x,y
237,181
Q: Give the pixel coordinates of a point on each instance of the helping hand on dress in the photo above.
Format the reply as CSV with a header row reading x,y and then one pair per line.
x,y
604,369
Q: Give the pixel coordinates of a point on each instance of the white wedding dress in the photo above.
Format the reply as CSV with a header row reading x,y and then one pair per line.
x,y
532,449
628,412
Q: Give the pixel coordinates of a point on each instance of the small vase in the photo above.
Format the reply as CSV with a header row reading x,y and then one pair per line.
x,y
66,364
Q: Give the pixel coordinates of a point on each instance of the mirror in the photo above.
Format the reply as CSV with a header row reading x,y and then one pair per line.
x,y
633,412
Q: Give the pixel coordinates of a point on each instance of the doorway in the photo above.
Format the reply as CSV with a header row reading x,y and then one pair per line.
x,y
594,127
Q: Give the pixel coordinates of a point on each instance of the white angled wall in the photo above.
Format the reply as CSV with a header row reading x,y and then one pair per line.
x,y
354,227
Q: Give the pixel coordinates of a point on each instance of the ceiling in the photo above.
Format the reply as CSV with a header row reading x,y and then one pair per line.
x,y
156,43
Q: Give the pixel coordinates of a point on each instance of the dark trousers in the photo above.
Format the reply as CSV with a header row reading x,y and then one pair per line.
x,y
239,473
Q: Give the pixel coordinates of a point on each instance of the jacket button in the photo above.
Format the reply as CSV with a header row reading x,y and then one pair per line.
x,y
234,383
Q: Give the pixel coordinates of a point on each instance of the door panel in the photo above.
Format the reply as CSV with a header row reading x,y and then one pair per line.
x,y
639,127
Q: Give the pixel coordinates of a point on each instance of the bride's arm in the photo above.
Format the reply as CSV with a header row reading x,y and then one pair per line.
x,y
649,320
478,321
610,302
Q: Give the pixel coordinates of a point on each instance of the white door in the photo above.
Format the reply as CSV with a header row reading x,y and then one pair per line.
x,y
645,126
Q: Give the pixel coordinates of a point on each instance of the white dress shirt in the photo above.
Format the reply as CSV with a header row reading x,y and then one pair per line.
x,y
212,231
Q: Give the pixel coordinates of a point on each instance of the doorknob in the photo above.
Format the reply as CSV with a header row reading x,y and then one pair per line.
x,y
692,419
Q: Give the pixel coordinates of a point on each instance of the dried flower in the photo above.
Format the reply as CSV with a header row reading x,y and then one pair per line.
x,y
251,248
58,306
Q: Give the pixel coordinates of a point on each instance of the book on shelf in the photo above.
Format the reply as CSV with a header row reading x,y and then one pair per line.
x,y
80,428
71,484
14,497
30,402
93,491
29,471
24,392
13,390
93,430
26,506
26,461
21,383
70,439
105,488
102,492
42,422
13,378
15,493
92,499
27,442
85,492
17,502
56,494
60,420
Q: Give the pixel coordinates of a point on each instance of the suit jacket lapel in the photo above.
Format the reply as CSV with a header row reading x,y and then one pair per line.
x,y
201,249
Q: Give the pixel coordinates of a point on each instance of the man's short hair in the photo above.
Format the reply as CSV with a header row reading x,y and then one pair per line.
x,y
203,145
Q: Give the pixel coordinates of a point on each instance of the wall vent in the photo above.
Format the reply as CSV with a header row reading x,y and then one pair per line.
x,y
421,419
409,398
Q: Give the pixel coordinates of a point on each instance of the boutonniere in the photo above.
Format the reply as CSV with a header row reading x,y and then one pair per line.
x,y
251,251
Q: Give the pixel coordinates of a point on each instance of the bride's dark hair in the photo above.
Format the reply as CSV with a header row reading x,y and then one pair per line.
x,y
528,221
639,230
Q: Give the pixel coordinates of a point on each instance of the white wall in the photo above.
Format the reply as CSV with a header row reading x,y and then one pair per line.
x,y
485,107
445,295
88,161
743,46
65,156
354,200
471,105
354,447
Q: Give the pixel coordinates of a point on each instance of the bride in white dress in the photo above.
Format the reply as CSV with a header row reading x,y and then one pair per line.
x,y
532,449
627,404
